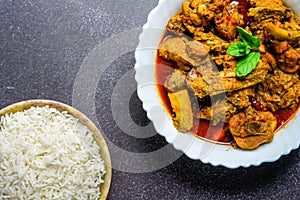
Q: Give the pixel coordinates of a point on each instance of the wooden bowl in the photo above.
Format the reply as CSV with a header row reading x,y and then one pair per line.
x,y
24,105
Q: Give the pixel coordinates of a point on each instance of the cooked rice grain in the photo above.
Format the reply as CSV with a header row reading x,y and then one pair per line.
x,y
48,154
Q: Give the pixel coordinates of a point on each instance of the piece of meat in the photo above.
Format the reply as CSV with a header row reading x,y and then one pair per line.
x,y
197,84
224,60
221,3
220,111
282,37
182,107
227,21
279,91
184,52
206,11
265,11
208,84
280,47
228,106
269,13
241,98
215,43
197,14
288,61
266,3
252,142
270,58
197,77
175,24
190,20
176,81
252,128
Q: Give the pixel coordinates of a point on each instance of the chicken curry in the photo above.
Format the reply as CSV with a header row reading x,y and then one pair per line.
x,y
228,70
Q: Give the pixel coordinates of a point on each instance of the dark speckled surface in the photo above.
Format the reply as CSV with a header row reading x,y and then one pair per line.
x,y
43,44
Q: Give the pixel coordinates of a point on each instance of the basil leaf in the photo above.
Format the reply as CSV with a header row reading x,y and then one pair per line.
x,y
246,65
248,38
238,49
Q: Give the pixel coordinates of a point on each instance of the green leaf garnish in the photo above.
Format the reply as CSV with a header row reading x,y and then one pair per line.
x,y
239,49
248,38
247,64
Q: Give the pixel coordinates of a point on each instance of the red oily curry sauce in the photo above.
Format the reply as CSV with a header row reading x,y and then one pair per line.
x,y
203,128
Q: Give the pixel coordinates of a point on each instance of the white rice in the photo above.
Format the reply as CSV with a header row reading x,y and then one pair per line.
x,y
47,154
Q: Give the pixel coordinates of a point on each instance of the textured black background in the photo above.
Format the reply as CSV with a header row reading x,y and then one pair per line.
x,y
43,44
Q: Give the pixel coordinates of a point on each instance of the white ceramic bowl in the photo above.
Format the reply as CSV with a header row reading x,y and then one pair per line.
x,y
285,140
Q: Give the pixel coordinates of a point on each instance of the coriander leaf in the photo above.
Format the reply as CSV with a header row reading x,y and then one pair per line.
x,y
238,49
248,38
247,64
